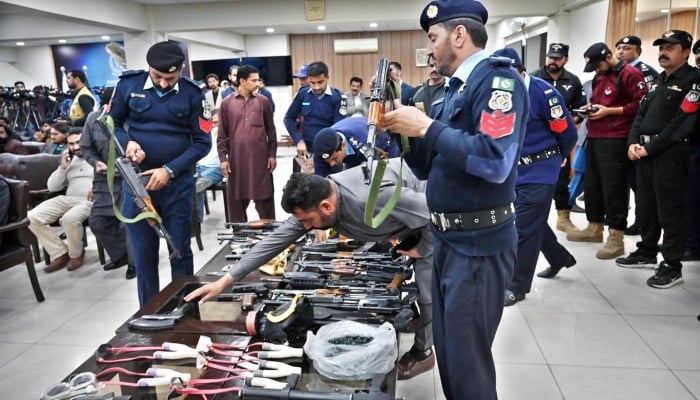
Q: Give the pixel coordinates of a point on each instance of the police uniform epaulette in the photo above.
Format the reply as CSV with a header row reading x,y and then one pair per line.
x,y
500,61
193,82
130,72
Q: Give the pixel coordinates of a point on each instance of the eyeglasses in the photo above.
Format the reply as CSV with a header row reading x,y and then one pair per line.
x,y
82,384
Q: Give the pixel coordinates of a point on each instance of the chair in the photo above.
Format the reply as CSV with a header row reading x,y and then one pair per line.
x,y
34,147
213,189
36,169
8,165
15,248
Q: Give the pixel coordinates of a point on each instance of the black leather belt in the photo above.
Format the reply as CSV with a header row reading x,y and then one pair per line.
x,y
472,220
541,156
646,139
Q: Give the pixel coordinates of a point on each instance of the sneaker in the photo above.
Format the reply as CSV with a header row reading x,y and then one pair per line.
x,y
202,183
636,260
665,277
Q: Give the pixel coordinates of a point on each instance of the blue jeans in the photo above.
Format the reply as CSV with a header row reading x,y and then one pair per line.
x,y
215,175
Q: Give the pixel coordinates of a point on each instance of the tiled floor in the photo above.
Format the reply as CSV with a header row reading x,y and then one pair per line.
x,y
595,332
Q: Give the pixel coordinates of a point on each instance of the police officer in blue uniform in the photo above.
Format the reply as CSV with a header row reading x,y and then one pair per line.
x,y
551,133
163,122
321,106
340,146
469,154
629,49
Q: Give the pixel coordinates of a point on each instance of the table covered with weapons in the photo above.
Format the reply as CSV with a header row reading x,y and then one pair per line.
x,y
317,322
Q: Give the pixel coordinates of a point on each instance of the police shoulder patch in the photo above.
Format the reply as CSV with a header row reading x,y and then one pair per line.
x,y
190,81
206,109
500,83
501,101
691,102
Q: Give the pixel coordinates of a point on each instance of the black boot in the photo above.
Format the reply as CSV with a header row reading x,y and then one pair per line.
x,y
552,271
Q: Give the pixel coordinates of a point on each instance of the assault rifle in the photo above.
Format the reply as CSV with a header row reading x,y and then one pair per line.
x,y
313,280
355,256
375,115
256,225
358,270
133,179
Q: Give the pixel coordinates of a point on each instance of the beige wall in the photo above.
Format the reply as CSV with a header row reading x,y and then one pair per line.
x,y
395,46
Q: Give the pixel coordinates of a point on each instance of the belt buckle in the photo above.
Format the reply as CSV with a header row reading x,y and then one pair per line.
x,y
526,160
444,221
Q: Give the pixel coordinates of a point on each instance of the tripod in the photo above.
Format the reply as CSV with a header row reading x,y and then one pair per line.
x,y
25,112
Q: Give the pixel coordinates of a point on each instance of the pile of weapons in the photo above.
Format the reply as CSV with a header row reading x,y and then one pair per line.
x,y
245,235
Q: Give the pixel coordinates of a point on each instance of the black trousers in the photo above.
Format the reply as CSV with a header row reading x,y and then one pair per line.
x,y
607,194
661,186
109,231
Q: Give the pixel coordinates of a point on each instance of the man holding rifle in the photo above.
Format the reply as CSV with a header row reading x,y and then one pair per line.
x,y
338,202
168,131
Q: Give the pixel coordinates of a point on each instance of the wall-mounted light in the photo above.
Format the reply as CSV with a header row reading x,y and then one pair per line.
x,y
321,28
373,25
664,11
20,43
270,30
104,37
62,40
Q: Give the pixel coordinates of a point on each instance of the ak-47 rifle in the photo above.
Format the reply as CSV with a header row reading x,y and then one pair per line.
x,y
254,225
133,179
375,115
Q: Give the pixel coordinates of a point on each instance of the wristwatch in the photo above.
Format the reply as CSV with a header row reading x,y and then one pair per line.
x,y
170,171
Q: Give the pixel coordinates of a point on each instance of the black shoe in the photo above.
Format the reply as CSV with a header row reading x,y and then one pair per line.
x,y
116,264
633,229
512,298
665,277
130,272
636,260
690,257
552,271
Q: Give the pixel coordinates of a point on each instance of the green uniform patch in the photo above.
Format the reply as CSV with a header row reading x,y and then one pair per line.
x,y
503,83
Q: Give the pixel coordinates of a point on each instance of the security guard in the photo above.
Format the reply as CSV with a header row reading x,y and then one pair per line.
x,y
658,145
629,49
168,131
469,155
339,202
340,146
321,106
551,133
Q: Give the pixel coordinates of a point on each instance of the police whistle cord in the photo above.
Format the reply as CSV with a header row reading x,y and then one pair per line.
x,y
132,178
383,90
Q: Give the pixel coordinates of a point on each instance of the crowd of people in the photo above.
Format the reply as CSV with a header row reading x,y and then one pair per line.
x,y
491,150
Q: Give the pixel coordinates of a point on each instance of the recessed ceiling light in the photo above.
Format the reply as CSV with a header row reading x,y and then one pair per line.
x,y
373,25
321,28
61,40
20,43
270,30
105,37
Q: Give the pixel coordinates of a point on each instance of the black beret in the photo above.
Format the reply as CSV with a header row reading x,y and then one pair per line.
x,y
443,10
631,39
683,38
165,56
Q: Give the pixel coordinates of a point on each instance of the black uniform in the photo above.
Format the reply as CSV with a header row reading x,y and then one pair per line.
x,y
665,120
569,85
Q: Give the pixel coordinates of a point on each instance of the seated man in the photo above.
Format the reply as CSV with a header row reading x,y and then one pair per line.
x,y
59,133
75,175
339,146
208,169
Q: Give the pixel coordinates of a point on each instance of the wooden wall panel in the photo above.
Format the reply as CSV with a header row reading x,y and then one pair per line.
x,y
395,46
621,14
652,29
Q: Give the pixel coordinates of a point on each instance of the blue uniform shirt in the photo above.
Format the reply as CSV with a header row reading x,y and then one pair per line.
x,y
470,152
318,113
549,125
172,129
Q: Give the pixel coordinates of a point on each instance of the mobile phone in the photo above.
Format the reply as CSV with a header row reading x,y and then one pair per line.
x,y
585,110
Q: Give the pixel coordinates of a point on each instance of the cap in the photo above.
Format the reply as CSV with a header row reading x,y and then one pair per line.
x,y
594,55
558,50
631,39
683,38
509,53
165,56
441,10
303,71
327,142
